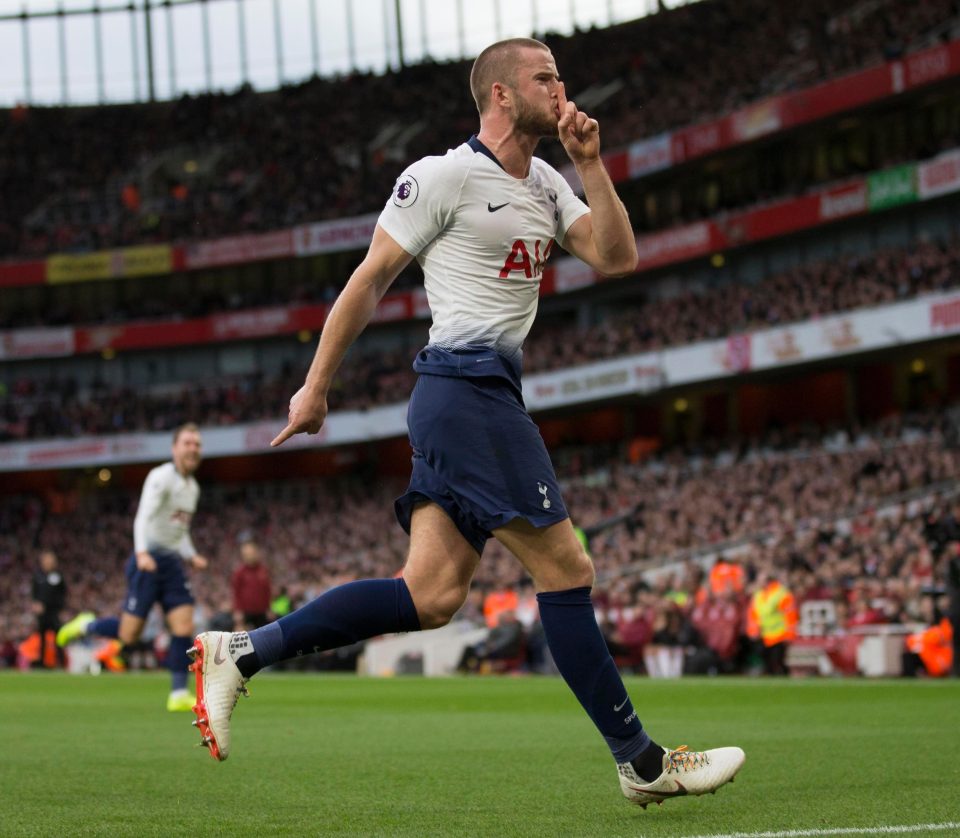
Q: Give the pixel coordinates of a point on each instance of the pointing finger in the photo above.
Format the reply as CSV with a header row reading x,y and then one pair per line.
x,y
284,435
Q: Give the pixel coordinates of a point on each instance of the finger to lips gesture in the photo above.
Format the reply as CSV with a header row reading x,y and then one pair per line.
x,y
579,133
306,415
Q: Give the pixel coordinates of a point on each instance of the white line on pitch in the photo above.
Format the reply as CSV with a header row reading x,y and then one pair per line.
x,y
853,830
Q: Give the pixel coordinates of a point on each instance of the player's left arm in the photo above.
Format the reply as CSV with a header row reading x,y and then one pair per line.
x,y
190,554
603,238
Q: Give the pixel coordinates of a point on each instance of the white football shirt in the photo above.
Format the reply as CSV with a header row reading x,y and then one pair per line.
x,y
167,504
482,238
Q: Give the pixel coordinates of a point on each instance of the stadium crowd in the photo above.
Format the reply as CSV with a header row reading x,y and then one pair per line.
x,y
217,164
856,517
36,409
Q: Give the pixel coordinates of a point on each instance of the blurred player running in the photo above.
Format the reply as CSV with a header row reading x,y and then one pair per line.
x,y
481,221
162,545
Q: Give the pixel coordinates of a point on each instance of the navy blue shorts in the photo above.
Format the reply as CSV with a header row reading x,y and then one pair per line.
x,y
168,584
479,456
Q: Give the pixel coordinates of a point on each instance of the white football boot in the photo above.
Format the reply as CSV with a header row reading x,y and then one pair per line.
x,y
219,685
684,772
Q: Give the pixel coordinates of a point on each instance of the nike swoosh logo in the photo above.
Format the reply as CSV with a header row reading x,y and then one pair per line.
x,y
217,658
618,707
680,792
492,208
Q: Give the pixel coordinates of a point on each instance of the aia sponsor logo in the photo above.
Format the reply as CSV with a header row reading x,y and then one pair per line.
x,y
519,259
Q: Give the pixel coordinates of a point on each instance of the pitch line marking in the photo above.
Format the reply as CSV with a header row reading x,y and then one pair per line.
x,y
853,830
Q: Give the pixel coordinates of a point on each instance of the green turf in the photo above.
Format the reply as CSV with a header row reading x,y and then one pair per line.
x,y
315,755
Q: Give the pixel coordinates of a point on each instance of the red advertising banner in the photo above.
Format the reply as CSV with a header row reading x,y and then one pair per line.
x,y
55,342
237,250
704,237
945,315
332,236
251,323
678,244
652,155
931,65
836,95
939,176
22,273
240,325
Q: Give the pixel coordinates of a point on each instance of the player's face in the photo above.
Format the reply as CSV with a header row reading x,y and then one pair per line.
x,y
186,452
536,94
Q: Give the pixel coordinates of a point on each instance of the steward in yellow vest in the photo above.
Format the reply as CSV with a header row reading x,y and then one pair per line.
x,y
772,618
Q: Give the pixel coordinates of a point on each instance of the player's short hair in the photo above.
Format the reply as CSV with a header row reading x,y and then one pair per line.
x,y
498,62
186,426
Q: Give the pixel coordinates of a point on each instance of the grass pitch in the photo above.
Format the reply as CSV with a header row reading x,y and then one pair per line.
x,y
322,755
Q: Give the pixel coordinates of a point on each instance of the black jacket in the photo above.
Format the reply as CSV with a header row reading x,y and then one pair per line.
x,y
50,590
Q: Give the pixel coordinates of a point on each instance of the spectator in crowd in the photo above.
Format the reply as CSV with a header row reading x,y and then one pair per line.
x,y
719,619
498,601
250,585
727,579
663,655
502,649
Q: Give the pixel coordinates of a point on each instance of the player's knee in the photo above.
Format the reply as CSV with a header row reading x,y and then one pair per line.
x,y
128,637
582,574
439,609
572,569
588,574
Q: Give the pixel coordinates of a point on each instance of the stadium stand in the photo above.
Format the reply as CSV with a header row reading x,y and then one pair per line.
x,y
63,407
849,501
260,162
847,515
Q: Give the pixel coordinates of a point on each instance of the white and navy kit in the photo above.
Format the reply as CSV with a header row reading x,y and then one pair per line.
x,y
162,529
482,238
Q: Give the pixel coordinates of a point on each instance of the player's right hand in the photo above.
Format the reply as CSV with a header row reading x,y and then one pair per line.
x,y
146,562
308,410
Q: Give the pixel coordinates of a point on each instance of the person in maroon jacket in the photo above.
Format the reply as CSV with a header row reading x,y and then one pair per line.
x,y
251,588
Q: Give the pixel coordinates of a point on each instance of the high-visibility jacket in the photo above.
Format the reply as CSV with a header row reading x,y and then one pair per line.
x,y
934,646
772,615
726,576
496,602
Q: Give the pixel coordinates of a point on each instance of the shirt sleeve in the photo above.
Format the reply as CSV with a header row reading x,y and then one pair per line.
x,y
422,202
570,208
154,491
186,548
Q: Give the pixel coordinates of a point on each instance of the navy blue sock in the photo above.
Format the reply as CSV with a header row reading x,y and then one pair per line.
x,y
581,655
177,661
104,627
339,617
